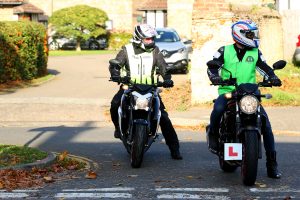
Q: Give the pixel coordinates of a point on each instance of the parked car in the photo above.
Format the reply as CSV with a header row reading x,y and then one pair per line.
x,y
68,44
173,49
296,56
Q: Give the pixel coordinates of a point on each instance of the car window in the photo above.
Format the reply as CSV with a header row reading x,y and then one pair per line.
x,y
167,36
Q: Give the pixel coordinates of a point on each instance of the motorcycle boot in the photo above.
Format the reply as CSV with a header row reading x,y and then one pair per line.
x,y
212,140
117,133
175,153
272,165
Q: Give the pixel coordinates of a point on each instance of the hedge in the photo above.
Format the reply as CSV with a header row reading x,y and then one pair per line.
x,y
23,51
118,39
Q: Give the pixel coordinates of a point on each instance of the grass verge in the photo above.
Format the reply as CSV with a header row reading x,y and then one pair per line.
x,y
14,85
11,155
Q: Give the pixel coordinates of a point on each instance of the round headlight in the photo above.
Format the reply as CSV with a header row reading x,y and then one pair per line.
x,y
249,104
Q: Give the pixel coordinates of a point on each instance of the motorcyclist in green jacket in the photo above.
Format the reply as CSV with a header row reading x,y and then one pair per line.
x,y
242,59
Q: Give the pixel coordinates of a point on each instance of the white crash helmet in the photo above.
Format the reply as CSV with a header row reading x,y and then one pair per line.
x,y
245,32
141,32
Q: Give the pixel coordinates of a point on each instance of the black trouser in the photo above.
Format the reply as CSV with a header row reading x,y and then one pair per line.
x,y
219,109
166,126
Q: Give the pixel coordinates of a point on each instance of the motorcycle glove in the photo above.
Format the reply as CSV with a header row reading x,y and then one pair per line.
x,y
125,79
275,81
116,78
168,83
215,80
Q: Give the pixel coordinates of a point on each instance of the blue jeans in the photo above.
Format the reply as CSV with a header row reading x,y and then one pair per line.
x,y
219,109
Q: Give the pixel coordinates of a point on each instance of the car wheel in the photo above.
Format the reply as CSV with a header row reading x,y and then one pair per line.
x,y
94,46
53,46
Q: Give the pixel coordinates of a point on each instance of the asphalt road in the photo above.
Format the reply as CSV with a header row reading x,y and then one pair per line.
x,y
197,176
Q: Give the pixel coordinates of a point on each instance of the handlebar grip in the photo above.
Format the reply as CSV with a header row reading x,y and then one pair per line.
x,y
265,84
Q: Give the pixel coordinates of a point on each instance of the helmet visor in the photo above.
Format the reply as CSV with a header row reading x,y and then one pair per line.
x,y
148,40
251,34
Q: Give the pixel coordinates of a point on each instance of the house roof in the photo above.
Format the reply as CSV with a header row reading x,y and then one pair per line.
x,y
11,2
27,8
153,5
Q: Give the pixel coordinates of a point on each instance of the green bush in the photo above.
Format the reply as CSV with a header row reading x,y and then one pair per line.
x,y
118,39
23,51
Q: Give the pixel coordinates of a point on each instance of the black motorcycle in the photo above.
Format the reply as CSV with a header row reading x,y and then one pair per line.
x,y
241,126
139,117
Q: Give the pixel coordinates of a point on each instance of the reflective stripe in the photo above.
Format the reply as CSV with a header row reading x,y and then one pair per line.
x,y
140,66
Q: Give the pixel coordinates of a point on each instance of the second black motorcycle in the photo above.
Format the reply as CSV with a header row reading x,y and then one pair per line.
x,y
139,117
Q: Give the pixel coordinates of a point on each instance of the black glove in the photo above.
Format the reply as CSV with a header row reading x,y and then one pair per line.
x,y
125,79
215,80
168,83
275,81
116,78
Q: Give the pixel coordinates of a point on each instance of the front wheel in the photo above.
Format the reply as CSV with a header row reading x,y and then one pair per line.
x,y
250,158
138,145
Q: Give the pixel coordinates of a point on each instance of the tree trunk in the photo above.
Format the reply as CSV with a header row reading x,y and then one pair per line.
x,y
78,48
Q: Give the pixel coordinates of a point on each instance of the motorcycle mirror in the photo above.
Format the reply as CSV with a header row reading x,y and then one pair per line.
x,y
114,62
279,64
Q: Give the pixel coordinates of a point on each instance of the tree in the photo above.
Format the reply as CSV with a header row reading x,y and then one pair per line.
x,y
79,22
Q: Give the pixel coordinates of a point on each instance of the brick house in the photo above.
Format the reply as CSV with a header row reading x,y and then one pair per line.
x,y
155,12
14,10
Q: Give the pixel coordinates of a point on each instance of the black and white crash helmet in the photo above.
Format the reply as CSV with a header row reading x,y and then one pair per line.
x,y
144,35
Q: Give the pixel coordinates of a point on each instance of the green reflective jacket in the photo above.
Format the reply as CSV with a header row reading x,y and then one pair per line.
x,y
244,71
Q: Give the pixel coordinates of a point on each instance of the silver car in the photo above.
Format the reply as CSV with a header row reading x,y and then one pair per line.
x,y
173,49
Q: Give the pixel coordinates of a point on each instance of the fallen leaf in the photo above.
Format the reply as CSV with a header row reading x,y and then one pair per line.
x,y
1,185
261,185
91,175
71,167
189,177
48,179
62,156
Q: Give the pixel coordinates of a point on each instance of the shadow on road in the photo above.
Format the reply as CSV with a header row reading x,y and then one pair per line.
x,y
198,167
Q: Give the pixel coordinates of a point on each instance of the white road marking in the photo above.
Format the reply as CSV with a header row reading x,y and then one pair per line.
x,y
193,189
93,195
273,190
191,196
100,189
277,197
13,195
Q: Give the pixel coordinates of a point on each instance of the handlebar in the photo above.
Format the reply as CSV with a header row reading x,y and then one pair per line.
x,y
265,84
127,81
227,82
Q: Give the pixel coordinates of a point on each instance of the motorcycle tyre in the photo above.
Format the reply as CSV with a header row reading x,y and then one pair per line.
x,y
250,158
138,145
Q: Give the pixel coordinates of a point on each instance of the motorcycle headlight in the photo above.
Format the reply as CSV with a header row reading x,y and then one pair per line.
x,y
141,101
249,104
141,104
